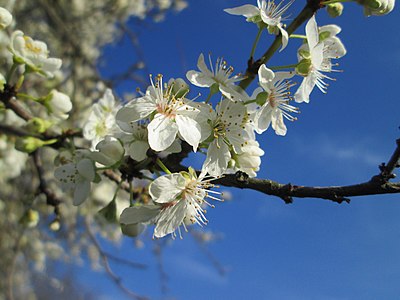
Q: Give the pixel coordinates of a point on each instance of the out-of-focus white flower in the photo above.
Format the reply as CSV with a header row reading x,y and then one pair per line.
x,y
179,198
12,161
58,104
110,152
77,176
34,54
216,79
5,18
101,121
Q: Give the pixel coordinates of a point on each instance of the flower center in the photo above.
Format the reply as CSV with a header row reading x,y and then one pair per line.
x,y
31,47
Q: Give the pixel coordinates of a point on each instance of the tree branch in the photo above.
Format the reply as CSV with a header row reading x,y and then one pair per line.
x,y
117,280
378,184
252,66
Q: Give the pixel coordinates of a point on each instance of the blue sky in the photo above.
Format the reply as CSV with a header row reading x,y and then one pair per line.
x,y
311,249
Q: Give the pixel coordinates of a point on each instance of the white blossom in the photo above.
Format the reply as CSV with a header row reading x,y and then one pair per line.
x,y
315,58
58,104
377,7
178,199
276,97
101,121
34,54
249,160
172,115
77,175
5,18
267,12
227,132
216,79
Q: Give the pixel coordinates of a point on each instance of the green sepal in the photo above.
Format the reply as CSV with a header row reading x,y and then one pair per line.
x,y
262,98
303,67
109,212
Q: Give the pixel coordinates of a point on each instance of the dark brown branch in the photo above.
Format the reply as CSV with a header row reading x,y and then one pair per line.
x,y
387,169
16,131
51,197
286,192
378,184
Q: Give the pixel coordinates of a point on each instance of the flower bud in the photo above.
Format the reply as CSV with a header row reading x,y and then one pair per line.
x,y
111,152
29,144
5,18
55,225
335,9
38,125
30,219
132,230
59,104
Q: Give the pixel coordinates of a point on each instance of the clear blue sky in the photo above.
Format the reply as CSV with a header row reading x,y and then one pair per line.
x,y
311,249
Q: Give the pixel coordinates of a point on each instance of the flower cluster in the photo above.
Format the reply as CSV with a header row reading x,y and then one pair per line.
x,y
224,127
156,123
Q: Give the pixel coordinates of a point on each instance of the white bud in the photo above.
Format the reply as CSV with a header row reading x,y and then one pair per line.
x,y
58,104
5,18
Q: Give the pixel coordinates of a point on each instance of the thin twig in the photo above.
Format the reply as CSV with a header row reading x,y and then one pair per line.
x,y
115,278
51,197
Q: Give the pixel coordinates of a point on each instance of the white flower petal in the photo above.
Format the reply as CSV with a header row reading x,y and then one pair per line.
x,y
202,66
277,123
162,132
262,118
137,150
136,110
198,79
285,37
189,129
170,219
166,188
305,89
265,75
139,214
246,10
217,159
82,191
86,169
312,32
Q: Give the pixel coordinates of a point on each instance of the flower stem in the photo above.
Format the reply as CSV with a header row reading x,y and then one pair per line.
x,y
250,101
208,97
11,72
283,67
130,194
333,1
253,49
29,97
298,36
162,166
